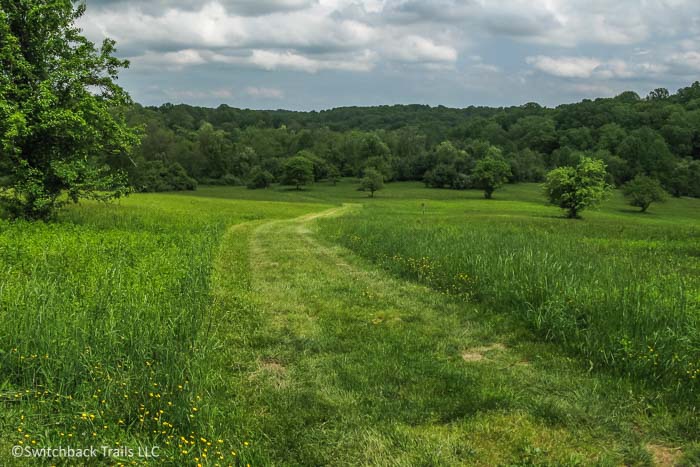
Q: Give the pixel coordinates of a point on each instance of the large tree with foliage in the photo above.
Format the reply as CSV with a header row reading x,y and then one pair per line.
x,y
577,188
59,110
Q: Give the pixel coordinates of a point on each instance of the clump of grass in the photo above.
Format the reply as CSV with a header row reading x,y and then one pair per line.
x,y
621,292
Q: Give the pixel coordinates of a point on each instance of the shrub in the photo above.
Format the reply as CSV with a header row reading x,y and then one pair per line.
x,y
259,178
642,191
156,176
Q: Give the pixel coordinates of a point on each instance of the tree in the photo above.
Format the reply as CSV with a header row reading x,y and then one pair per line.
x,y
610,136
577,188
59,108
215,150
646,152
443,175
259,178
374,153
576,138
157,175
333,174
490,173
372,181
658,94
685,179
641,191
536,133
297,171
320,166
527,166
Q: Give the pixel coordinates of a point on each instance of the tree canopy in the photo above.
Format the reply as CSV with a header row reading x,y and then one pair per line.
x,y
577,188
61,125
657,136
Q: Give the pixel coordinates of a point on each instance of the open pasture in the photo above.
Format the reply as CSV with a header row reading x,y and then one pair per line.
x,y
422,327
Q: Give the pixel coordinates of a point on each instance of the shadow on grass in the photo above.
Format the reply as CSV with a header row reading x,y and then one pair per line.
x,y
635,211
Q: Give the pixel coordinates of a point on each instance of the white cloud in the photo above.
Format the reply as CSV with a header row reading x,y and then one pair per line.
x,y
272,60
170,61
487,68
417,49
593,90
241,7
266,7
561,23
565,67
264,93
189,94
685,61
610,45
593,68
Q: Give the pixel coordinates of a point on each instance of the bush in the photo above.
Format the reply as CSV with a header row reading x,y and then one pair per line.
x,y
231,180
642,191
259,178
158,176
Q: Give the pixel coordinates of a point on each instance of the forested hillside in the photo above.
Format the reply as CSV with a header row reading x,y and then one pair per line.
x,y
658,136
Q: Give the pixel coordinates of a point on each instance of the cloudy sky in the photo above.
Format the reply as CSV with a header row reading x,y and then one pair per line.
x,y
317,54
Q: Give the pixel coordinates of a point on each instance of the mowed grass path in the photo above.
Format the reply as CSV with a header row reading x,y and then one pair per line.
x,y
331,361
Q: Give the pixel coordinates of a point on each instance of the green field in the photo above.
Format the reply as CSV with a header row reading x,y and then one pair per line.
x,y
424,327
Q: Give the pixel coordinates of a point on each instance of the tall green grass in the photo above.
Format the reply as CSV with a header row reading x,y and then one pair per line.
x,y
620,289
105,325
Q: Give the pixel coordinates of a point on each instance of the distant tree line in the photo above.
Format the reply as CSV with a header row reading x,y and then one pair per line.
x,y
69,132
656,137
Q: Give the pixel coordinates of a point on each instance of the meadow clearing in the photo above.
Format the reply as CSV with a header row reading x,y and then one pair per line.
x,y
423,327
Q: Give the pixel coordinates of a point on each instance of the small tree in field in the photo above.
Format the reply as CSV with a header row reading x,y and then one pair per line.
x,y
372,181
59,110
577,188
642,191
490,173
298,171
333,174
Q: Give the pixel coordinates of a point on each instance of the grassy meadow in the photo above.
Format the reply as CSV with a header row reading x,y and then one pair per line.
x,y
107,323
320,327
620,288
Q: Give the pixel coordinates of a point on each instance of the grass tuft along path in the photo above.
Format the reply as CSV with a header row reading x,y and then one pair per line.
x,y
330,361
